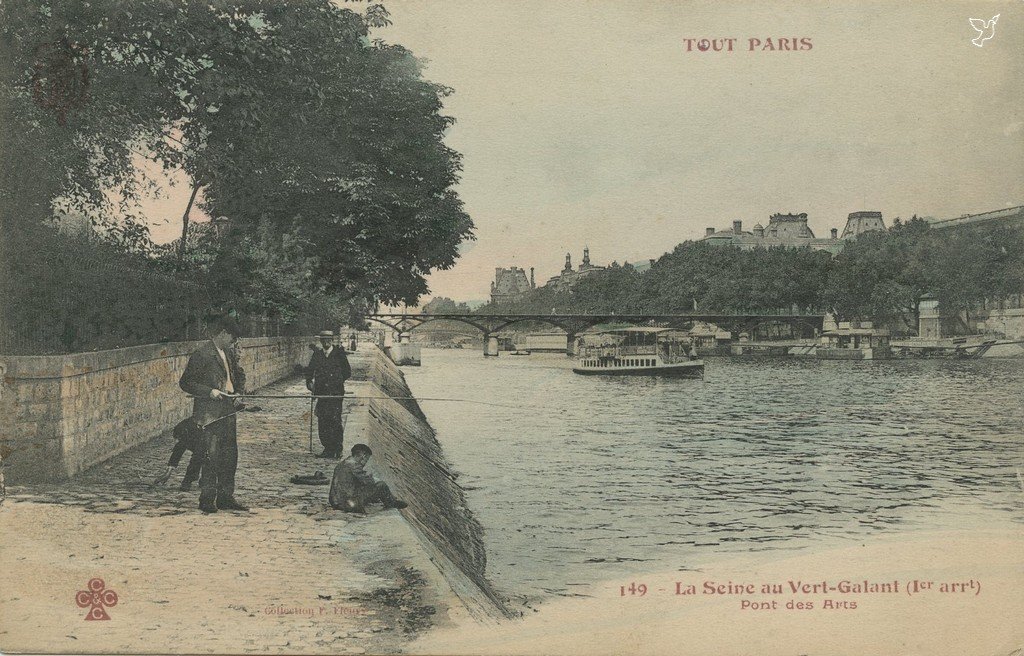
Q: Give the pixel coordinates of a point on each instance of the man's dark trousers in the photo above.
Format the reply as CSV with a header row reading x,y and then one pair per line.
x,y
380,493
326,376
217,482
329,425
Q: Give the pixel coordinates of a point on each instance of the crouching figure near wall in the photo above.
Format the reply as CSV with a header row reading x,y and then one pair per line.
x,y
353,488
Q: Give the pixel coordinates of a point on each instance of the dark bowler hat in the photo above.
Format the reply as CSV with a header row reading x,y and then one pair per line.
x,y
326,333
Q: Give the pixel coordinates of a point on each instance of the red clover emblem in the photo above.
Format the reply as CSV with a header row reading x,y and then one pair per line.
x,y
95,598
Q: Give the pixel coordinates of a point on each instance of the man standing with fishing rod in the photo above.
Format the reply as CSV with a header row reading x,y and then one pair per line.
x,y
326,375
214,377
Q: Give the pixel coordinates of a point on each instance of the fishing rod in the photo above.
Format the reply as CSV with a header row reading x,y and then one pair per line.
x,y
312,397
214,421
367,398
429,459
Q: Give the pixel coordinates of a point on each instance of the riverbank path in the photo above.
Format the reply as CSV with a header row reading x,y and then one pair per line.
x,y
290,576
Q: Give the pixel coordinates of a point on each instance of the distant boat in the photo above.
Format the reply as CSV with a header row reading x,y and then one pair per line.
x,y
637,352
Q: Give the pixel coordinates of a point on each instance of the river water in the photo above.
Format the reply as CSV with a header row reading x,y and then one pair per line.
x,y
589,478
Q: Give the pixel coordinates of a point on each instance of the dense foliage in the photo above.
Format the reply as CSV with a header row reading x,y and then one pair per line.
x,y
879,276
883,275
444,305
322,146
695,276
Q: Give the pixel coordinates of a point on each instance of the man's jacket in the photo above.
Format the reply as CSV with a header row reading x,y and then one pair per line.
x,y
328,373
204,373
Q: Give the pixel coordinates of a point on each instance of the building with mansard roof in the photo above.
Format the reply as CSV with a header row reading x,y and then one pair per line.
x,y
861,222
792,231
510,284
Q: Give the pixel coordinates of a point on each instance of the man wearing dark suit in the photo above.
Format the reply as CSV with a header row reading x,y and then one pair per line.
x,y
214,377
326,375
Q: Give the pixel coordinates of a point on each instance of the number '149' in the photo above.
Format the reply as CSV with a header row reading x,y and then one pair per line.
x,y
633,590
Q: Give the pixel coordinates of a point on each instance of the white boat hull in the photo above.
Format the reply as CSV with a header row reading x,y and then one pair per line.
x,y
692,369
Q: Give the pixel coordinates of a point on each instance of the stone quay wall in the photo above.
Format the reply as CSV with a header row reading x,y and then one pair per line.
x,y
1006,324
61,414
409,457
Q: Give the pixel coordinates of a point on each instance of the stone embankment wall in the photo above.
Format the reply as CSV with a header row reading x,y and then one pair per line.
x,y
411,460
61,414
1006,324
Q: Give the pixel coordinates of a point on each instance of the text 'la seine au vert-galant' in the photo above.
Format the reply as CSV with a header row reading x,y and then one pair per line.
x,y
846,587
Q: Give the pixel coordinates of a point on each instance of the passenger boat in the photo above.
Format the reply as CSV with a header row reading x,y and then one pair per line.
x,y
637,352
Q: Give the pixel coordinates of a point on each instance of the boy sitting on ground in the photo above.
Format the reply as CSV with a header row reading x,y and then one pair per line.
x,y
352,487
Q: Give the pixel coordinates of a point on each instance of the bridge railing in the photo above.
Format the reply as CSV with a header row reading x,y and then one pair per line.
x,y
749,312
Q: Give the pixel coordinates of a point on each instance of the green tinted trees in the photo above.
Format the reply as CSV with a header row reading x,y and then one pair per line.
x,y
323,147
883,275
879,276
445,305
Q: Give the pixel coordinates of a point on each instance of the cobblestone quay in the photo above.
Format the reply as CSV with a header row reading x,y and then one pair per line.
x,y
292,575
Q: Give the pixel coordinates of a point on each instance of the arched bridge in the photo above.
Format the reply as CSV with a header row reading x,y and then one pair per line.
x,y
574,324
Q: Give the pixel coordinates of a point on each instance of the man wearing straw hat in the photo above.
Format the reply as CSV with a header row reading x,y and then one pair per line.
x,y
326,375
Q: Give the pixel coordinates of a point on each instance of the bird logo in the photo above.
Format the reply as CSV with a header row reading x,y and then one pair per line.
x,y
986,29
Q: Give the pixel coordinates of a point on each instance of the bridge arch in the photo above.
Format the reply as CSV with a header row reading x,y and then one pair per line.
x,y
796,324
496,323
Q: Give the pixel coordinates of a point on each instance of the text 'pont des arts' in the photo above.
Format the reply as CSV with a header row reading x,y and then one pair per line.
x,y
749,44
840,594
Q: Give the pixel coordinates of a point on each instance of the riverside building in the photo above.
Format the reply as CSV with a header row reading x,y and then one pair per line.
x,y
509,284
569,277
792,231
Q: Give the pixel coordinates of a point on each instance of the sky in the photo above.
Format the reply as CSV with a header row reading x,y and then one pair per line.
x,y
591,124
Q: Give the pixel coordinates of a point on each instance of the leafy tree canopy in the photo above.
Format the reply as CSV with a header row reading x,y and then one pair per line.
x,y
879,276
322,146
444,305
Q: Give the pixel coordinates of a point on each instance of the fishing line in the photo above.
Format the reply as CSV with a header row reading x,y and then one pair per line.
x,y
366,398
429,458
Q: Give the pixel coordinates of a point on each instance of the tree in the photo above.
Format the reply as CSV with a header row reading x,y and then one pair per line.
x,y
883,275
695,276
444,305
973,263
291,119
340,140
